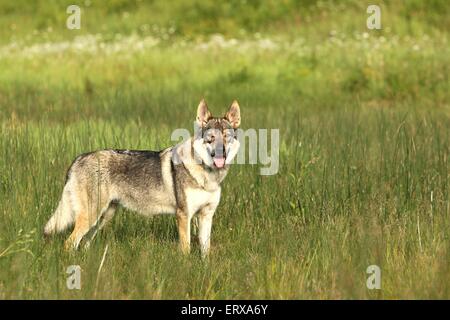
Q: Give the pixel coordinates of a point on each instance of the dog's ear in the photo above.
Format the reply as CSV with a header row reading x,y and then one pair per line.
x,y
203,114
234,115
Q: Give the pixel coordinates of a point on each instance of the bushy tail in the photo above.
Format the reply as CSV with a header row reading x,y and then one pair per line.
x,y
62,218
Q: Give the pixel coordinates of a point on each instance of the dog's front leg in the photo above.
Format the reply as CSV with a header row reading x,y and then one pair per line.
x,y
184,230
205,218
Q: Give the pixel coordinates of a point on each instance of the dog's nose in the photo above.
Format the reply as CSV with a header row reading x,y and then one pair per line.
x,y
219,151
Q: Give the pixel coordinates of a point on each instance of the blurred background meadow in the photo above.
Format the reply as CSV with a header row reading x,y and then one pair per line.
x,y
364,120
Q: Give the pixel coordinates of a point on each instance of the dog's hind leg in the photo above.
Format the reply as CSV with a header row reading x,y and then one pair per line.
x,y
89,208
106,216
82,226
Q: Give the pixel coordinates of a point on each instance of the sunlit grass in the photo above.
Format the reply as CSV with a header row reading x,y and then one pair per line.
x,y
364,124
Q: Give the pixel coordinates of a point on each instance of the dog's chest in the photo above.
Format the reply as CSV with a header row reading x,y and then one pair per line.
x,y
197,198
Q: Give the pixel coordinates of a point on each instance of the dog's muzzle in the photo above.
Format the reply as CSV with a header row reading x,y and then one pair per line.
x,y
219,158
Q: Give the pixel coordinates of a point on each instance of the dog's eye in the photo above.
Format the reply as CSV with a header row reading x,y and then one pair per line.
x,y
230,134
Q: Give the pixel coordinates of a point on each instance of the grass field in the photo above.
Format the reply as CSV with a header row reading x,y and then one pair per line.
x,y
364,120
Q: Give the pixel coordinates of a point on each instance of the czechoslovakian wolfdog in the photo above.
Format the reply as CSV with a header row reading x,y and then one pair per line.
x,y
183,180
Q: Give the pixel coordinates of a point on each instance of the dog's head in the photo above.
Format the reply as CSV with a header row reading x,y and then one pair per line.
x,y
215,141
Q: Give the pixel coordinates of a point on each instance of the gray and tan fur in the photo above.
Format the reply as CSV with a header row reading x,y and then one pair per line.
x,y
151,182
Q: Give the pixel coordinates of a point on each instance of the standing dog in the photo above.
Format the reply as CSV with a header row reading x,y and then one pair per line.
x,y
183,180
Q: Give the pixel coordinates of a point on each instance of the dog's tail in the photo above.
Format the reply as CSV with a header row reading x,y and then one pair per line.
x,y
63,217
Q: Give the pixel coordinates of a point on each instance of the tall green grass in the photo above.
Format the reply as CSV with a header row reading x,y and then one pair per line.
x,y
364,124
354,189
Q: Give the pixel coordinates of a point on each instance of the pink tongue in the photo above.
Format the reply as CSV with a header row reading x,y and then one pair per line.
x,y
219,162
